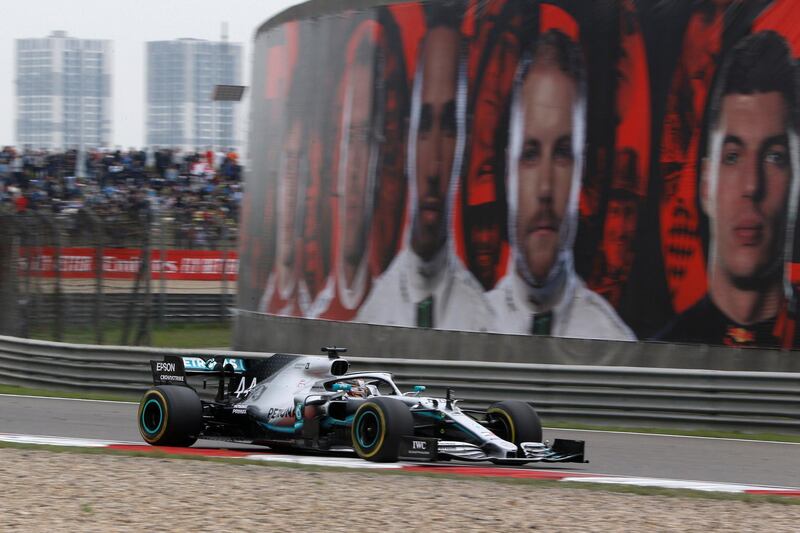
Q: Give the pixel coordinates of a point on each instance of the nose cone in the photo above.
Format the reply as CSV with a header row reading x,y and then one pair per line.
x,y
500,448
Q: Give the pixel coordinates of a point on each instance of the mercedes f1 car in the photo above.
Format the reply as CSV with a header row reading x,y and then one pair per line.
x,y
312,402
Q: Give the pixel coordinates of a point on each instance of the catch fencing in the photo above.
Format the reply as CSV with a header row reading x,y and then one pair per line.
x,y
85,270
623,396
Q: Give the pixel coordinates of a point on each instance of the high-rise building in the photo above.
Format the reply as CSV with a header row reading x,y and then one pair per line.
x,y
181,76
63,92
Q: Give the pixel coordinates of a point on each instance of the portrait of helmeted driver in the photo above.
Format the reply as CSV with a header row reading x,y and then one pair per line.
x,y
360,124
749,192
426,285
541,294
279,297
619,228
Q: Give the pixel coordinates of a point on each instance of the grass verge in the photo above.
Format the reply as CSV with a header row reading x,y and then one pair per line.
x,y
183,335
534,483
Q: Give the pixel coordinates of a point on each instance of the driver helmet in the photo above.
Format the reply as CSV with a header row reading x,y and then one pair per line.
x,y
358,389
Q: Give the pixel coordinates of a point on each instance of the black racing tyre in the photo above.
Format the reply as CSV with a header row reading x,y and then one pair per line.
x,y
378,425
514,421
170,415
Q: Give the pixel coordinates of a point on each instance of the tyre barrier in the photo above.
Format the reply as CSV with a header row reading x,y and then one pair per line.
x,y
601,395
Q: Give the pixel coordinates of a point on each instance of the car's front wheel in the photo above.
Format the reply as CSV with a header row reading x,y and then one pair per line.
x,y
170,415
378,426
514,421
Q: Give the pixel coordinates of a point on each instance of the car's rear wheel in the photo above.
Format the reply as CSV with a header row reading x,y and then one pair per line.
x,y
378,426
514,421
170,415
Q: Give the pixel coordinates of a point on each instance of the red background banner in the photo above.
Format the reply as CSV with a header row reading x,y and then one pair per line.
x,y
125,263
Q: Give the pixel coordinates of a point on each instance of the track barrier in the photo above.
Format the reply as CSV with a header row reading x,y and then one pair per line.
x,y
618,395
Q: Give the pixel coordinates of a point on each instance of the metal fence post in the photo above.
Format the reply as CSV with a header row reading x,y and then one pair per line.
x,y
58,310
143,333
98,243
223,298
162,283
27,241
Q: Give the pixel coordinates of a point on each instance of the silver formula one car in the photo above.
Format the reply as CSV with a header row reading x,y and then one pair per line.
x,y
311,402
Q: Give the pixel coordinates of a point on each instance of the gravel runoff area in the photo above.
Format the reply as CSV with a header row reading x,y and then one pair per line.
x,y
48,491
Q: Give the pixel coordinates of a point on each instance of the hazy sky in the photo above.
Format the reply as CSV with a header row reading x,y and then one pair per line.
x,y
129,24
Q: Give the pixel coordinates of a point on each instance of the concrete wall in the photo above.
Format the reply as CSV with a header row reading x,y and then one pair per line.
x,y
261,332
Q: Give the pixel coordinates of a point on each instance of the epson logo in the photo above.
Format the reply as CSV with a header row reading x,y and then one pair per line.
x,y
165,367
419,445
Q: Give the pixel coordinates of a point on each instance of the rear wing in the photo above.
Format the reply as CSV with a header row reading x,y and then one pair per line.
x,y
174,370
198,365
243,373
169,371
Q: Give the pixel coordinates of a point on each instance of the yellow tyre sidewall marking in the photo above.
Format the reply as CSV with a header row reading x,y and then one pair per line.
x,y
376,409
510,421
160,434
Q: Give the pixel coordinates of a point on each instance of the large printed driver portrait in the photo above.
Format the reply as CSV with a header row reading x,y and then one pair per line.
x,y
748,181
426,285
357,161
279,297
542,294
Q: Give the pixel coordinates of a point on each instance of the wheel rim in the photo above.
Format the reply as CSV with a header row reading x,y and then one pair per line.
x,y
367,430
152,416
502,427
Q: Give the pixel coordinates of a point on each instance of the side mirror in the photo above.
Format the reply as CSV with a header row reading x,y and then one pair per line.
x,y
316,400
415,391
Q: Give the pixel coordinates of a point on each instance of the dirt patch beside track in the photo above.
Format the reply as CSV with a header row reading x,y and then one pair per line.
x,y
47,491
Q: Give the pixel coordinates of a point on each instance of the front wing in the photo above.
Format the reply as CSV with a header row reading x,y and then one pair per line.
x,y
426,449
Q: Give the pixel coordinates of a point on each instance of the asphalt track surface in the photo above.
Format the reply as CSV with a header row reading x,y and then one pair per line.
x,y
626,454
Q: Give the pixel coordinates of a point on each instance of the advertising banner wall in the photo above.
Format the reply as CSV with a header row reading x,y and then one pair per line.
x,y
604,170
126,263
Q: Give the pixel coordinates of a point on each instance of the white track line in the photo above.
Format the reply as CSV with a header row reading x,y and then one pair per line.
x,y
341,462
674,436
67,399
52,440
705,486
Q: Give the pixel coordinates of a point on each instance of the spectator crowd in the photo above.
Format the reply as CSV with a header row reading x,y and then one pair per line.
x,y
197,193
